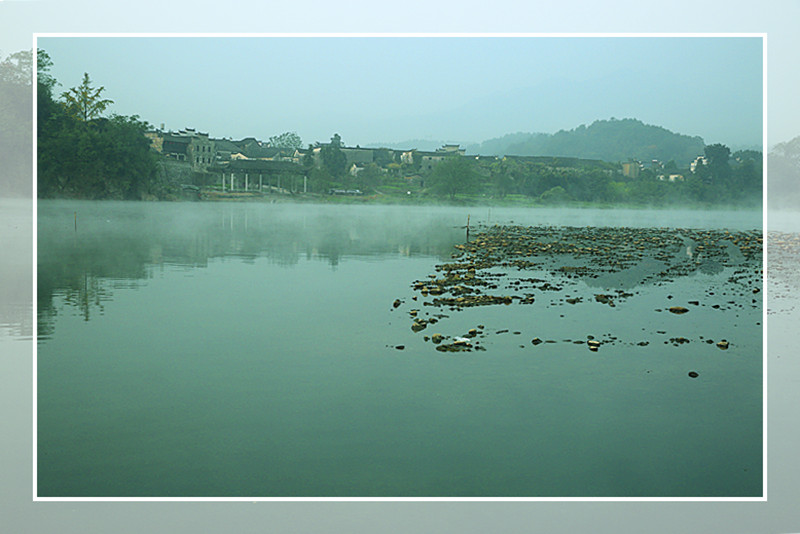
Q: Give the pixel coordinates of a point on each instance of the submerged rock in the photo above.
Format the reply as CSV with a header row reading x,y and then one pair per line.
x,y
678,309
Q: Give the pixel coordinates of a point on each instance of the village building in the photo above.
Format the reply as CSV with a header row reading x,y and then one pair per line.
x,y
631,169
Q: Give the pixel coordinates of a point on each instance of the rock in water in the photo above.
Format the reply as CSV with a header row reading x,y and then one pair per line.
x,y
419,325
678,309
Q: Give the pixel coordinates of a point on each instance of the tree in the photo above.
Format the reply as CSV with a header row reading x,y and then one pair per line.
x,y
453,175
84,102
383,157
333,159
111,159
43,64
308,157
369,178
502,177
84,155
718,156
286,140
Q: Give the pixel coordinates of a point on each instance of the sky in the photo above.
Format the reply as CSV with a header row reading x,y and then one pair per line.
x,y
391,89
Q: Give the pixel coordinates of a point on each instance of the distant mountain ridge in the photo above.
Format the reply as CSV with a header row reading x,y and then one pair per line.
x,y
608,140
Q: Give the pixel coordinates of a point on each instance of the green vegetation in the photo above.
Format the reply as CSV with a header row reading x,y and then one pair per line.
x,y
82,154
452,176
607,140
286,140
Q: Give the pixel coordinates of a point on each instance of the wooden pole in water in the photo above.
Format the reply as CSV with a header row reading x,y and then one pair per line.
x,y
468,228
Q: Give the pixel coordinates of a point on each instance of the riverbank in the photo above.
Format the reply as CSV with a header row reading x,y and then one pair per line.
x,y
422,199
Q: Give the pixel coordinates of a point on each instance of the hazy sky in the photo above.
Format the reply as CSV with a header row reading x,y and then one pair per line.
x,y
389,89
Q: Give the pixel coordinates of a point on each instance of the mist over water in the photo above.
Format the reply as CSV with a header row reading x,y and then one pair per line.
x,y
251,350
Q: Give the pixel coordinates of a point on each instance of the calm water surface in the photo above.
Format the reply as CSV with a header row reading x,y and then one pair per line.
x,y
249,350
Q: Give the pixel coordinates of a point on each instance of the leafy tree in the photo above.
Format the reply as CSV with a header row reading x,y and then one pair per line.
x,y
369,178
308,157
703,173
83,155
105,159
502,177
286,140
333,159
320,180
383,157
43,64
718,156
555,195
84,102
46,106
453,175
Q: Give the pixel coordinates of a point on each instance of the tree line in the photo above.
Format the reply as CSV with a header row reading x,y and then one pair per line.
x,y
725,179
82,153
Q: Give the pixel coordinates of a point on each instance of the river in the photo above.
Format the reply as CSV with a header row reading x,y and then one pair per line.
x,y
252,350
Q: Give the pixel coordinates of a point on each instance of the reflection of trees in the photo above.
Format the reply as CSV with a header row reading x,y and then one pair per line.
x,y
84,245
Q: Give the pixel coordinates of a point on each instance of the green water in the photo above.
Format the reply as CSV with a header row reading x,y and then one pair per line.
x,y
249,350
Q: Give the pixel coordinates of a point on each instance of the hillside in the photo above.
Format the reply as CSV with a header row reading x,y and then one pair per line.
x,y
607,140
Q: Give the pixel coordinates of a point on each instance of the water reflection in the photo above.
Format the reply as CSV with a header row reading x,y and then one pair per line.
x,y
86,249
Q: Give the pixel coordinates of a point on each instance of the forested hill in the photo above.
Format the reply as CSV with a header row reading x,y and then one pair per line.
x,y
607,140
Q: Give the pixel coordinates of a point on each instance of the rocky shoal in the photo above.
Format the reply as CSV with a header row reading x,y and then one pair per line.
x,y
515,265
